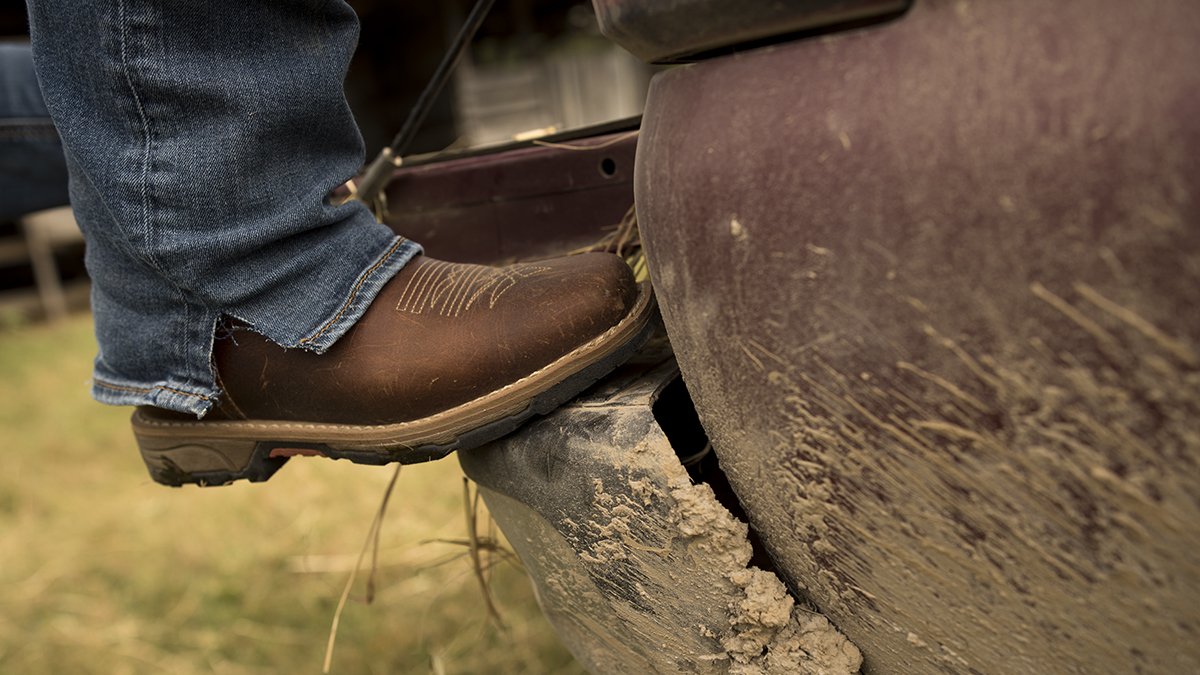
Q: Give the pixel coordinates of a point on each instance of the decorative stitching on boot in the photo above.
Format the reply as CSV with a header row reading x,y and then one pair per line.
x,y
449,289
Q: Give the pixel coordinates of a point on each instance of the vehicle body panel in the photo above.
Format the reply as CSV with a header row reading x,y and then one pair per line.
x,y
933,286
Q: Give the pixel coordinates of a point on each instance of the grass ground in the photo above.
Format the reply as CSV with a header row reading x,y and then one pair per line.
x,y
102,571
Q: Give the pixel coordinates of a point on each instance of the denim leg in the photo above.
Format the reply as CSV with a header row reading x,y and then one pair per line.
x,y
203,139
33,172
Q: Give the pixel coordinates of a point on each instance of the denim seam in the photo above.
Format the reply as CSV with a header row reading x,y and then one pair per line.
x,y
354,292
147,219
147,390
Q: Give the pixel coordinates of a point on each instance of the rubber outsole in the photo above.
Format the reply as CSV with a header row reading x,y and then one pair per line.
x,y
257,460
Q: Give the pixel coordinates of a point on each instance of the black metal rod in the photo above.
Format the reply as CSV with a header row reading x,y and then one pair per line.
x,y
379,172
440,76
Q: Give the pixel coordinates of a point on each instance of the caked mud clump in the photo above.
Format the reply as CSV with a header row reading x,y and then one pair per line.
x,y
639,570
766,632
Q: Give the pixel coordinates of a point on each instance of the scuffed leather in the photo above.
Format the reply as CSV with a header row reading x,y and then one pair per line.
x,y
439,334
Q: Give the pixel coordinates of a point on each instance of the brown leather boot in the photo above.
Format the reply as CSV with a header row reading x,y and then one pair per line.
x,y
447,357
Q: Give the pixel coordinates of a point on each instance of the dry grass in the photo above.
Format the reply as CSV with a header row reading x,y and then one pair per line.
x,y
103,571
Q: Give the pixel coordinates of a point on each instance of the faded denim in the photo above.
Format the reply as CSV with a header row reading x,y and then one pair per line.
x,y
202,141
33,172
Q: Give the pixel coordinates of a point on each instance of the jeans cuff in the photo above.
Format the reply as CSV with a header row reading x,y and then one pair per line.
x,y
170,396
365,288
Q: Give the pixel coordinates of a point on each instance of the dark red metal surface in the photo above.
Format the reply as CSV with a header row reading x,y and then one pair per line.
x,y
934,289
520,204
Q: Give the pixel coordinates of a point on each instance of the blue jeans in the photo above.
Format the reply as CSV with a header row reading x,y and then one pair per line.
x,y
203,140
33,173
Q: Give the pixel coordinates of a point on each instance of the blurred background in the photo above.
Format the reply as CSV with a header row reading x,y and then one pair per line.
x,y
103,571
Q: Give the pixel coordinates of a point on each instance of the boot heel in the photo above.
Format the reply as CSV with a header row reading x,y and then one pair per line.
x,y
206,462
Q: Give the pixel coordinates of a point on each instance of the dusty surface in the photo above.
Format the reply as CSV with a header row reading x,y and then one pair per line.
x,y
934,288
639,569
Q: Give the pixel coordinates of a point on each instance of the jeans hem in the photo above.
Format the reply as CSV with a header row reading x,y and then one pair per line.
x,y
170,395
365,288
